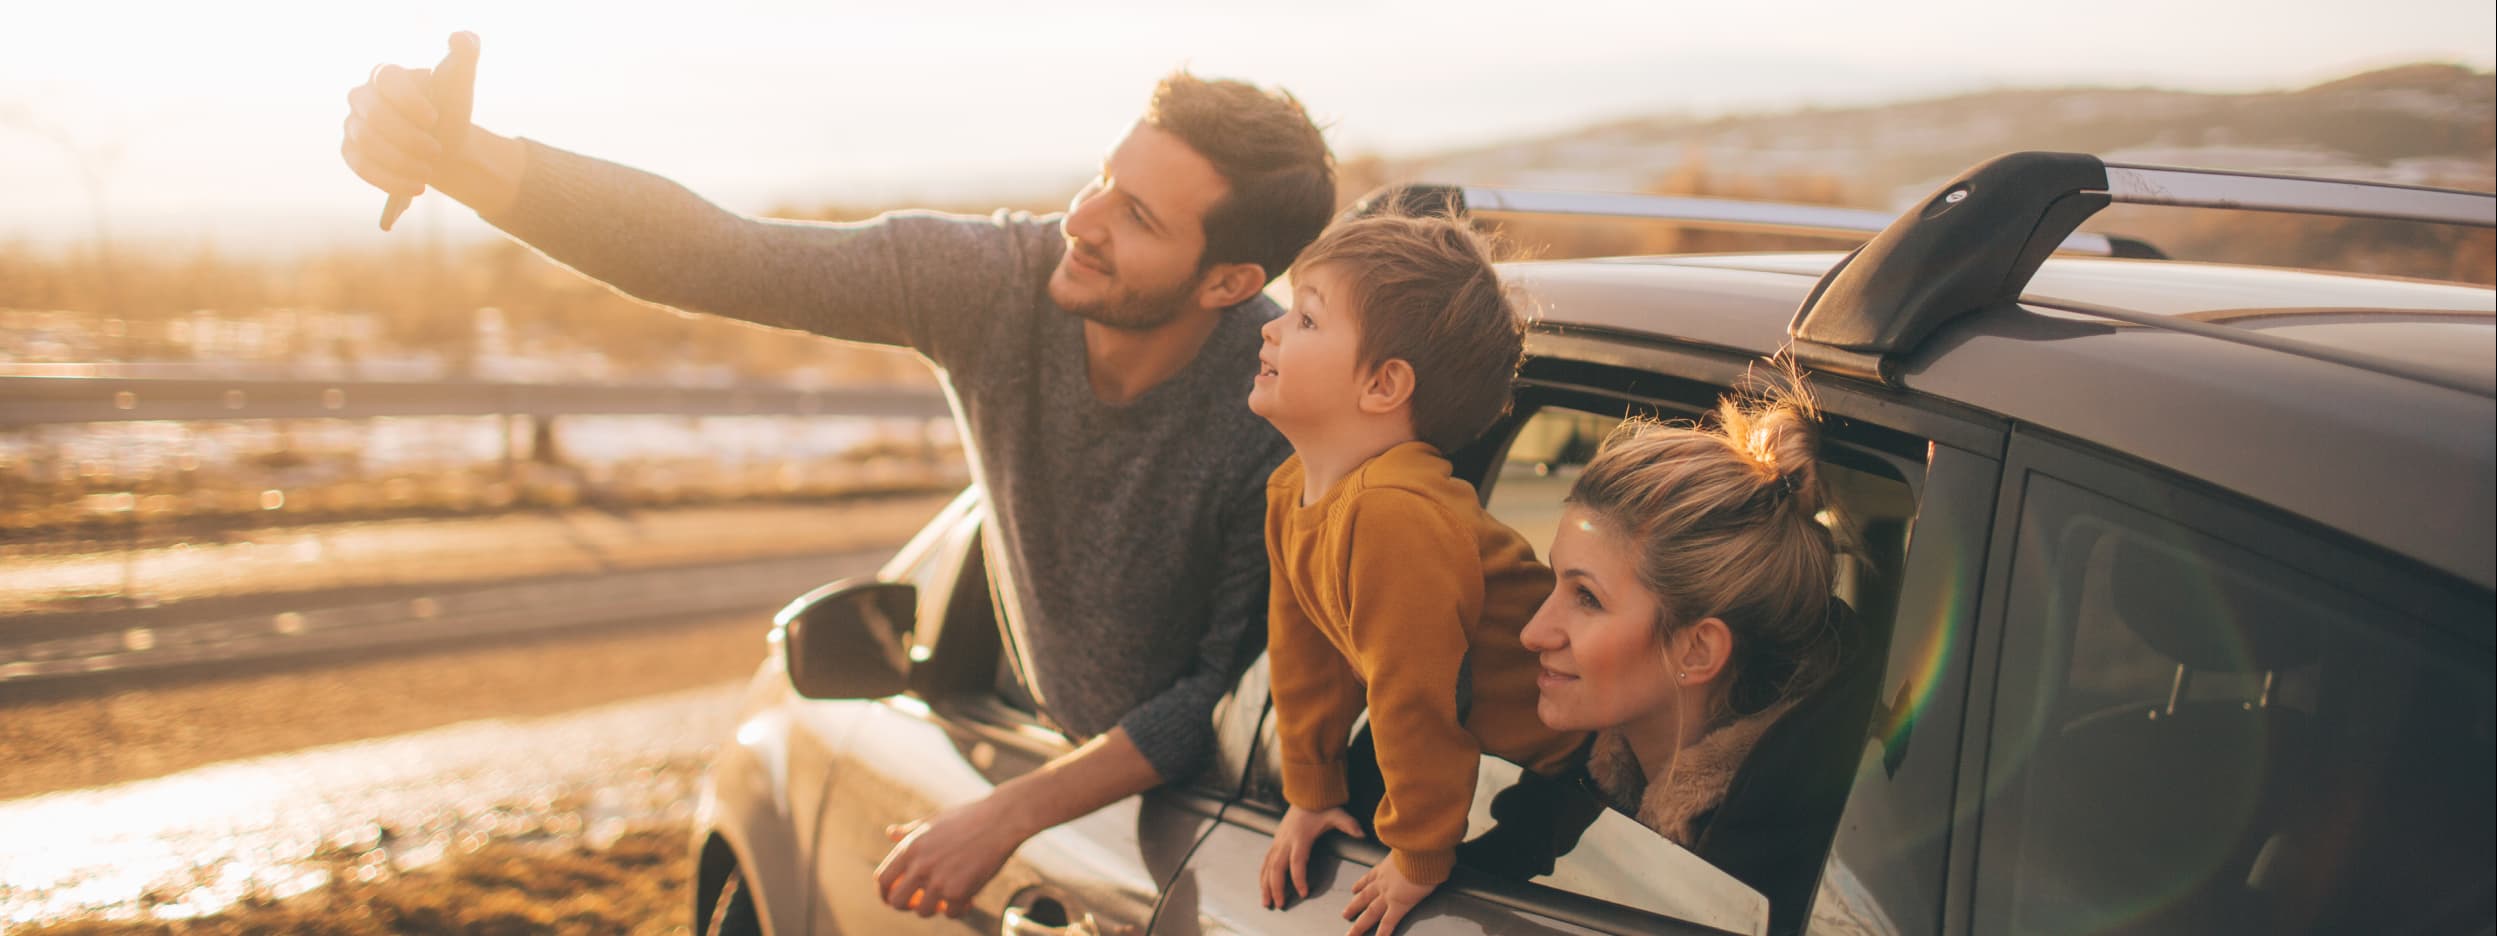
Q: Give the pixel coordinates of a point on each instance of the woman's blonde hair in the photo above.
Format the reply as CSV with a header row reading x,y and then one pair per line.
x,y
1723,515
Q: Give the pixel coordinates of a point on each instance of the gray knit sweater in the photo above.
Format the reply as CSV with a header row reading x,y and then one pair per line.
x,y
1133,533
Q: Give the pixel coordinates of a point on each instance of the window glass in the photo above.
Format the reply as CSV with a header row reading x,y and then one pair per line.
x,y
1549,452
936,570
1010,680
1240,728
1887,865
1013,680
948,563
1871,502
2196,738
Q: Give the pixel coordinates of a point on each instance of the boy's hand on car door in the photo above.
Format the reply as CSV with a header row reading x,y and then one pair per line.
x,y
1382,898
1285,874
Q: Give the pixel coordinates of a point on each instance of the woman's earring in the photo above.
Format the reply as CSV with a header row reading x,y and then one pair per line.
x,y
1681,677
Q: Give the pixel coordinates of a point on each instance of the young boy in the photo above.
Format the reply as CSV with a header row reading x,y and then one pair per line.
x,y
1392,588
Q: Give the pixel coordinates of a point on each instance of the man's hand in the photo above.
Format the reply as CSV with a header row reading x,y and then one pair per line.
x,y
1287,860
1382,898
938,863
397,137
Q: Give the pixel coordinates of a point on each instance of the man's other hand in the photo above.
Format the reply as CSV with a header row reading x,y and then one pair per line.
x,y
937,864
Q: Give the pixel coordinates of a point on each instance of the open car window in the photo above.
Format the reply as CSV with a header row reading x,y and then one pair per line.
x,y
960,653
1607,856
1792,789
1551,844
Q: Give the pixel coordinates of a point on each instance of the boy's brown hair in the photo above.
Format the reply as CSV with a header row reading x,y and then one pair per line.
x,y
1424,291
1263,143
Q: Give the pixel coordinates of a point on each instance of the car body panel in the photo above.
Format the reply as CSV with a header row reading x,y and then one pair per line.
x,y
2226,413
2212,410
900,762
743,801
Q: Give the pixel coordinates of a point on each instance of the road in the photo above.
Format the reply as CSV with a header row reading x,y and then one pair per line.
x,y
173,790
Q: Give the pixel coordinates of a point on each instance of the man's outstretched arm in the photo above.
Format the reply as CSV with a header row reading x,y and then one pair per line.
x,y
930,282
937,863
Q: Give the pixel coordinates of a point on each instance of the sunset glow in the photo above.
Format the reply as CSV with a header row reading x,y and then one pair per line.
x,y
222,121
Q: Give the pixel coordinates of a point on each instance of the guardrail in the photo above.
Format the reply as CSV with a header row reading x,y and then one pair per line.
x,y
500,609
34,400
132,638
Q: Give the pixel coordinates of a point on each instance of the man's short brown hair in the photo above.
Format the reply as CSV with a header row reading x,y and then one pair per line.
x,y
1282,177
1424,291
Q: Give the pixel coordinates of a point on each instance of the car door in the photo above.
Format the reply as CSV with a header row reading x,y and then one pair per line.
x,y
2214,718
966,726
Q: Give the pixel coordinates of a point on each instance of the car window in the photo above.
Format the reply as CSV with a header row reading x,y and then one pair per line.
x,y
933,562
1007,681
1874,496
957,647
1797,781
2195,736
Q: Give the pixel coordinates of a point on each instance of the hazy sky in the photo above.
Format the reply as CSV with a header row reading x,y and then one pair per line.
x,y
221,119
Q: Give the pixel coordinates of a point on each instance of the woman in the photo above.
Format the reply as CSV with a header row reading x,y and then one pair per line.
x,y
1692,608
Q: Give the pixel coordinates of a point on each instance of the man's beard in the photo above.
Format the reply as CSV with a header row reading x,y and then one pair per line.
x,y
1134,312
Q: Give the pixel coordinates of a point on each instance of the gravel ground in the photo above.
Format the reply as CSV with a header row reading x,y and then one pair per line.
x,y
639,885
560,860
119,733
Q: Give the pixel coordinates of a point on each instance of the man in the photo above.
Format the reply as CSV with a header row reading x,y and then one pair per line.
x,y
1099,362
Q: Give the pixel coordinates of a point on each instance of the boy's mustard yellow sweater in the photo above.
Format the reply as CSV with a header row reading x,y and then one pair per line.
x,y
1385,590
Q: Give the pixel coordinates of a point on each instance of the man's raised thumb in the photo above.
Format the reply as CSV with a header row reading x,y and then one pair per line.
x,y
454,90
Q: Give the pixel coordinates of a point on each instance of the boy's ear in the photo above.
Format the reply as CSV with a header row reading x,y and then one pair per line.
x,y
1229,284
1389,388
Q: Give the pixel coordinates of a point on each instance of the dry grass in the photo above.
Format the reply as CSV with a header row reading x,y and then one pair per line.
x,y
639,886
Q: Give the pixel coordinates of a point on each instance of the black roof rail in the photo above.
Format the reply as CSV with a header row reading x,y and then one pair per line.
x,y
1726,213
1977,240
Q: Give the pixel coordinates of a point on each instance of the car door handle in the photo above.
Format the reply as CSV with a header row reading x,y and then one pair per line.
x,y
1042,915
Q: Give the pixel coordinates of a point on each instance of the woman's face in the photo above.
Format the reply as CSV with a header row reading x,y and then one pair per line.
x,y
1596,635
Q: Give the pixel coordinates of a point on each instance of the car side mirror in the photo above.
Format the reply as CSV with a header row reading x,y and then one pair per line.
x,y
850,639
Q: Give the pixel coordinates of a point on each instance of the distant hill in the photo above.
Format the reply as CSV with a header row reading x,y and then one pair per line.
x,y
2420,124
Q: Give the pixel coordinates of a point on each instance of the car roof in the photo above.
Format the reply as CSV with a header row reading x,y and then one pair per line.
x,y
2359,402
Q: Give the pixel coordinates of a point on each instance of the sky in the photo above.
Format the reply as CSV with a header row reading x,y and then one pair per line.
x,y
182,122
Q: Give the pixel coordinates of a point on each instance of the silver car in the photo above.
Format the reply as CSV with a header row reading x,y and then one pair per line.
x,y
2171,590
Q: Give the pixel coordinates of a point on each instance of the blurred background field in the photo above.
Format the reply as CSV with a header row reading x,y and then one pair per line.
x,y
430,308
